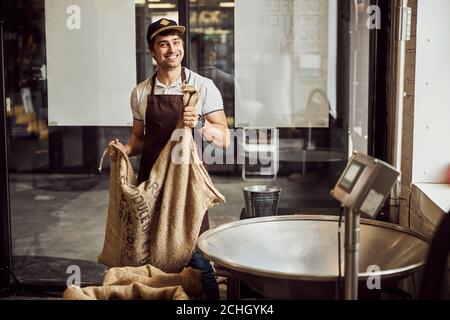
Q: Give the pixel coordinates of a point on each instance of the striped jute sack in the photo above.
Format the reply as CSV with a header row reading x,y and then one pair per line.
x,y
158,221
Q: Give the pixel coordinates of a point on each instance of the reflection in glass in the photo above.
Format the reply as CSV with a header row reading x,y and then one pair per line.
x,y
295,51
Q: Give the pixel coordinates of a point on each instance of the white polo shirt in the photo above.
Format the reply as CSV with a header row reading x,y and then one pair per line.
x,y
210,99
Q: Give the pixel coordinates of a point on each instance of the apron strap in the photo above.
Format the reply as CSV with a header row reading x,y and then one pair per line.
x,y
183,79
183,75
152,93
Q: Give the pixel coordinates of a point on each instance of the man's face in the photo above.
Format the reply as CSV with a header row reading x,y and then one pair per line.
x,y
168,51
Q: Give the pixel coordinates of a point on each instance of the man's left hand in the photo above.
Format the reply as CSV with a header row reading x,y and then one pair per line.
x,y
190,117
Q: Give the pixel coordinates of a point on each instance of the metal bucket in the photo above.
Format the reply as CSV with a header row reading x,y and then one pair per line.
x,y
261,201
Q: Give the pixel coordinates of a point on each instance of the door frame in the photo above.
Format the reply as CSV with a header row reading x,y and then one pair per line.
x,y
5,210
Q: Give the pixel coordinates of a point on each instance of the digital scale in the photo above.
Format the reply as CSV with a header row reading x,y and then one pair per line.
x,y
362,190
365,184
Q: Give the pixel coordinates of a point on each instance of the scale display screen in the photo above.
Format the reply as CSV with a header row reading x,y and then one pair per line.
x,y
351,175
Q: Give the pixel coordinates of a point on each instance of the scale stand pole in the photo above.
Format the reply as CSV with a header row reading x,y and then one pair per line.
x,y
351,266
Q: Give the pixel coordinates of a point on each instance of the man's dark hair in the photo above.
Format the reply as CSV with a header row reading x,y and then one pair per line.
x,y
164,33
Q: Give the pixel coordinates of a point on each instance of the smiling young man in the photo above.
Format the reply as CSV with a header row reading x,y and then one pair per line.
x,y
157,104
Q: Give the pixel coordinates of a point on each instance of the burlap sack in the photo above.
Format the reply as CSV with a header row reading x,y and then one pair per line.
x,y
158,221
141,283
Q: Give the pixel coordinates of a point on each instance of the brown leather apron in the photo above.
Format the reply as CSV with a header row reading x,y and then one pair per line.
x,y
161,117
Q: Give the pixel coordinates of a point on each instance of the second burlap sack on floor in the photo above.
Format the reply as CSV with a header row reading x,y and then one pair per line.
x,y
158,221
141,283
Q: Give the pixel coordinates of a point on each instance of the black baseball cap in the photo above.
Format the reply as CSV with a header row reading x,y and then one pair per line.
x,y
162,25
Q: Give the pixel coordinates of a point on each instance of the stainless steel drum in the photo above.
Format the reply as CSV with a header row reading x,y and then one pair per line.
x,y
296,257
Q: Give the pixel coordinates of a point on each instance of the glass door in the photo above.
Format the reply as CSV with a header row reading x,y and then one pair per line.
x,y
69,72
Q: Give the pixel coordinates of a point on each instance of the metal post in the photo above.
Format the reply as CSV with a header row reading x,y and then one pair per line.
x,y
5,213
402,27
351,267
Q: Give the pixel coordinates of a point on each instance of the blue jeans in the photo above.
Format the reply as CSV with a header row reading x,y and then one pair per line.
x,y
209,283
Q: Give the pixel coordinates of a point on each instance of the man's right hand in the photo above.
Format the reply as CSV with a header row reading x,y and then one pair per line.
x,y
111,151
